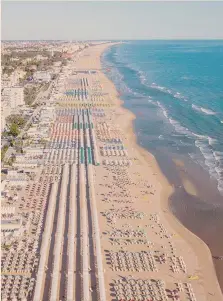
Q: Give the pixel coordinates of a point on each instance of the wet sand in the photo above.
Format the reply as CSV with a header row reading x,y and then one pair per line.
x,y
196,203
200,201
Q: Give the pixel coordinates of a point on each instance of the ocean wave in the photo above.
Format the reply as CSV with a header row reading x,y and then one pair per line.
x,y
218,155
160,88
179,128
142,77
203,110
179,96
118,78
200,136
152,102
184,130
212,141
164,111
176,95
208,155
214,161
184,143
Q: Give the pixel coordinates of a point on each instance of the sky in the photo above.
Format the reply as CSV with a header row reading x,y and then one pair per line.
x,y
111,20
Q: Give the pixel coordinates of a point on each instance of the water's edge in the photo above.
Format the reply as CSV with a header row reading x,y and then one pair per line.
x,y
192,217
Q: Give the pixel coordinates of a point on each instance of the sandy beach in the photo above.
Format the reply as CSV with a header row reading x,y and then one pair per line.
x,y
197,255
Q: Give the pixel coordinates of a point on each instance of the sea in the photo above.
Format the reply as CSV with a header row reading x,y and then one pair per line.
x,y
175,89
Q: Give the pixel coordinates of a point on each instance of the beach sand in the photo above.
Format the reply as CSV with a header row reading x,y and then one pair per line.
x,y
196,254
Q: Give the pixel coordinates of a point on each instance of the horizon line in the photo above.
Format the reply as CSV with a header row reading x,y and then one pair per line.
x,y
108,40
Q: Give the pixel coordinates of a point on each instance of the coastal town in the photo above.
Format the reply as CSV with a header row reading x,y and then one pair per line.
x,y
82,210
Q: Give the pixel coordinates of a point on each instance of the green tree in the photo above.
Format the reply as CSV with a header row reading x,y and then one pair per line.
x,y
14,130
17,119
3,151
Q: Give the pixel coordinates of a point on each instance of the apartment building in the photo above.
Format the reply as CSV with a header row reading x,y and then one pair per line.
x,y
13,97
42,76
3,123
5,112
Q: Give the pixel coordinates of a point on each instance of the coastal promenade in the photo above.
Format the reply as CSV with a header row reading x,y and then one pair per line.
x,y
106,231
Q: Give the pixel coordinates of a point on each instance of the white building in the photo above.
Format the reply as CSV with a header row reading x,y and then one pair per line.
x,y
16,178
14,96
40,57
3,124
5,112
57,64
14,59
28,60
43,76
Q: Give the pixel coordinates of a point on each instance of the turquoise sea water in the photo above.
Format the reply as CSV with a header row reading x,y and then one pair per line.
x,y
175,88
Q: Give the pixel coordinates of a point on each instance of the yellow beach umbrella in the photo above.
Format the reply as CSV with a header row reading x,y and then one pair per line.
x,y
195,277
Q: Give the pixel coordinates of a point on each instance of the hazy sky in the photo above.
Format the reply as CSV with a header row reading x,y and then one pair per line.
x,y
111,20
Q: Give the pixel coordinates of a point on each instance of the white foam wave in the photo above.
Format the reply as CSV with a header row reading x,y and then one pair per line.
x,y
207,111
183,130
200,136
164,111
196,158
208,155
218,156
117,77
176,95
214,162
203,110
151,101
213,159
160,88
179,96
211,141
179,128
176,124
142,77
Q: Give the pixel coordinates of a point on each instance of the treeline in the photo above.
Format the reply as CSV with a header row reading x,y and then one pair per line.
x,y
8,66
14,123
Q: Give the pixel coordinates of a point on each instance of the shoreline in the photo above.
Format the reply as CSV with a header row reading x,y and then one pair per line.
x,y
198,245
